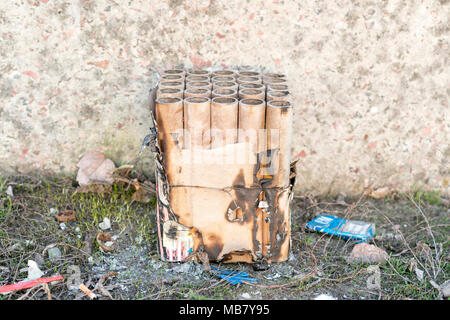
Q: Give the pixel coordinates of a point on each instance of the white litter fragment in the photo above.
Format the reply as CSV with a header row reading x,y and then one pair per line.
x,y
62,225
324,297
245,295
9,192
106,224
419,274
33,271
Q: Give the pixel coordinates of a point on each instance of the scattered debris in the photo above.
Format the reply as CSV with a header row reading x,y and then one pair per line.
x,y
123,170
62,226
341,199
65,215
346,229
204,259
378,193
106,224
233,277
95,168
246,295
141,195
419,274
33,271
105,242
47,291
423,249
28,284
87,248
99,286
263,266
445,289
367,253
9,192
54,254
4,270
87,292
324,297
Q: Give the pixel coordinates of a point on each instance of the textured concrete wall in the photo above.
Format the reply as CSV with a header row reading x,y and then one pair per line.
x,y
369,80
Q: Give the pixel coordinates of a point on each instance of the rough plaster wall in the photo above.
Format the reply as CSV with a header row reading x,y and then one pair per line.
x,y
369,80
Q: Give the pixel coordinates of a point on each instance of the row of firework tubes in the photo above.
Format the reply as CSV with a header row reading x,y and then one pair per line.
x,y
226,107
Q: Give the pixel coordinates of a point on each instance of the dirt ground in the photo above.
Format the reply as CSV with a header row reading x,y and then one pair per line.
x,y
412,228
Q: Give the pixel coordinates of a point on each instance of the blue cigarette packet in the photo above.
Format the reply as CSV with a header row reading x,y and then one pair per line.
x,y
345,229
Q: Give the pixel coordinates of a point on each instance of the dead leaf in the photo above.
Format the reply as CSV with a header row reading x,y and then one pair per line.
x,y
102,239
380,193
66,215
141,195
95,168
123,170
99,286
367,253
423,249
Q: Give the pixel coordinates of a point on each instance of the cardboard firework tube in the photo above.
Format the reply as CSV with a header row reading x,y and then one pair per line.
x,y
249,74
269,81
224,121
252,94
172,77
274,75
222,79
197,122
225,85
277,87
231,93
279,136
199,84
197,72
172,84
197,92
169,118
179,72
226,73
169,92
248,80
247,85
277,95
197,78
251,120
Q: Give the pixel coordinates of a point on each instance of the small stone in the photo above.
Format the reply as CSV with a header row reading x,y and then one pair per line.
x,y
367,253
445,288
106,224
77,229
54,254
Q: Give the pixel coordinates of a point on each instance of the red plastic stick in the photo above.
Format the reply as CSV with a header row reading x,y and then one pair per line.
x,y
28,284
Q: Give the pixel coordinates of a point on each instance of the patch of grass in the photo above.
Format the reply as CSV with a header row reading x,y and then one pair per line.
x,y
422,196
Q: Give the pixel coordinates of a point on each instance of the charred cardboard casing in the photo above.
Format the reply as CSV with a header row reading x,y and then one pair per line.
x,y
232,211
